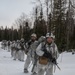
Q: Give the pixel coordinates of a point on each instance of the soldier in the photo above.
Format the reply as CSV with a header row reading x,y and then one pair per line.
x,y
31,46
8,45
16,50
22,49
12,48
48,53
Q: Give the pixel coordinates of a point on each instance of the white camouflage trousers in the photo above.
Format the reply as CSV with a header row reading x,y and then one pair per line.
x,y
44,69
15,54
28,60
21,55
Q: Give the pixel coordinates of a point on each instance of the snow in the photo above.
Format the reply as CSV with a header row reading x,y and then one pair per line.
x,y
67,64
10,67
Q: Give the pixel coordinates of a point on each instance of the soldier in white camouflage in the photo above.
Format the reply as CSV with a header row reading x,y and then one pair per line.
x,y
48,54
21,52
31,47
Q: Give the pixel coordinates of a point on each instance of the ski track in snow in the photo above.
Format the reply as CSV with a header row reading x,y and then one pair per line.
x,y
10,67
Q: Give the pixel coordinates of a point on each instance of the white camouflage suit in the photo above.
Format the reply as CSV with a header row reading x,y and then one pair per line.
x,y
15,55
48,69
12,48
30,55
21,53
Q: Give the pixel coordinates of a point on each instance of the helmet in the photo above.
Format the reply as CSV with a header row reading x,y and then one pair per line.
x,y
33,35
22,39
17,41
50,35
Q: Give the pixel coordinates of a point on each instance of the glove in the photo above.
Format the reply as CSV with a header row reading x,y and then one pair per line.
x,y
29,43
47,54
54,61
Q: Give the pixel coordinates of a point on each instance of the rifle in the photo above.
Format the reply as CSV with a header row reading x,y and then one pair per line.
x,y
55,62
50,57
28,46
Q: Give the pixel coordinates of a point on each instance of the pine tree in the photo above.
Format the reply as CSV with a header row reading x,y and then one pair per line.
x,y
26,31
59,22
70,26
40,24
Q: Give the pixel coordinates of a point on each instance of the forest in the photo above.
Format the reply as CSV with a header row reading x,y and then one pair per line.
x,y
53,16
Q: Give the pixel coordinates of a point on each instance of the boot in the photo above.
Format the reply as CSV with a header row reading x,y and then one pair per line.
x,y
25,71
34,73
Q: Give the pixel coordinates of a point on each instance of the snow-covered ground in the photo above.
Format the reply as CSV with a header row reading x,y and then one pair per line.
x,y
10,67
67,64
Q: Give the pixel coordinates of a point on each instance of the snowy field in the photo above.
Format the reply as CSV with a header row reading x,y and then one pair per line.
x,y
10,67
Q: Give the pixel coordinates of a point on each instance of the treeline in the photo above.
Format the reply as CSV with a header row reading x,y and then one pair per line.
x,y
54,16
15,34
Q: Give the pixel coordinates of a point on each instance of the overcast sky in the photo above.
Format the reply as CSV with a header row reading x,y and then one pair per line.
x,y
10,10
